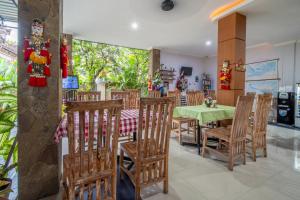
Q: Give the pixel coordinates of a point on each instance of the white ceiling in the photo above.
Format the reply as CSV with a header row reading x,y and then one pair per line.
x,y
183,30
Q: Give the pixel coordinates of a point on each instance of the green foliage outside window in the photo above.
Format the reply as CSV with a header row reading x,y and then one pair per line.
x,y
120,67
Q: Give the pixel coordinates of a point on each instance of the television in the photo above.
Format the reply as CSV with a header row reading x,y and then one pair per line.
x,y
71,83
186,70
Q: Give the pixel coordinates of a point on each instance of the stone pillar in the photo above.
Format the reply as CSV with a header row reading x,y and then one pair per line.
x,y
154,61
39,109
232,47
69,38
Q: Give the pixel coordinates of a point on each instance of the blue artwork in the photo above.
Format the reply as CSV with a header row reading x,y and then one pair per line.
x,y
71,82
262,70
261,87
262,77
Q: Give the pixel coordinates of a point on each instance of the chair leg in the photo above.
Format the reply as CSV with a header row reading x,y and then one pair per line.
x,y
121,164
244,153
180,134
265,152
204,145
230,163
166,181
137,193
265,147
194,132
253,151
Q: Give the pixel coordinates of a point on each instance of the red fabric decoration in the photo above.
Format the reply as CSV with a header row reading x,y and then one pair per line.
x,y
29,68
27,53
46,71
64,60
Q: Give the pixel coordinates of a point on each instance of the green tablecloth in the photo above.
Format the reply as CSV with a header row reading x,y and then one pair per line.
x,y
204,114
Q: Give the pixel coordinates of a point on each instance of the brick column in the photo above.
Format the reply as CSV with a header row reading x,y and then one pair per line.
x,y
232,47
39,109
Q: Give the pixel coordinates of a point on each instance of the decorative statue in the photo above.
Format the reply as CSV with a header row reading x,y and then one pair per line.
x,y
37,55
225,76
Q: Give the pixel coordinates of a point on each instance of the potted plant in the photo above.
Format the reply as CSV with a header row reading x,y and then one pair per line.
x,y
8,115
5,183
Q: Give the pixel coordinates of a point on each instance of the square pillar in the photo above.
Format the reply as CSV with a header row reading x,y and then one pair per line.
x,y
39,109
154,61
232,47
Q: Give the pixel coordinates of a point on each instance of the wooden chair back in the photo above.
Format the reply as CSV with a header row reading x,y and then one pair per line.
x,y
153,138
93,144
70,95
177,96
240,125
194,98
154,94
134,97
88,96
124,95
260,120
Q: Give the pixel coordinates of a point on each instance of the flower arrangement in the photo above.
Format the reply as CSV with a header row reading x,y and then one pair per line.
x,y
209,102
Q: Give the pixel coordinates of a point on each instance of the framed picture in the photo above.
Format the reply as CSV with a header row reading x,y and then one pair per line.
x,y
196,79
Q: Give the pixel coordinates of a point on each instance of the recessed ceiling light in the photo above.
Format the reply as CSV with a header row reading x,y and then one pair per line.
x,y
134,25
208,43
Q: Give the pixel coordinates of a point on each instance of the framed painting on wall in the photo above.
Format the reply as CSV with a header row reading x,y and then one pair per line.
x,y
266,70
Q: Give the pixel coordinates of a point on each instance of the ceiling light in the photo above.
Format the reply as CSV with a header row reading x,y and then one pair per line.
x,y
134,25
208,43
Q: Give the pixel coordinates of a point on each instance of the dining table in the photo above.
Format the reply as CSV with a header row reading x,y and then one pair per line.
x,y
128,125
204,115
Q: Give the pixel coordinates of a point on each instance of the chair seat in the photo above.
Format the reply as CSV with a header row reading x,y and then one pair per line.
x,y
221,133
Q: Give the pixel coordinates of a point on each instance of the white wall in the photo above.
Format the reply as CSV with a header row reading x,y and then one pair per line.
x,y
211,68
177,61
288,75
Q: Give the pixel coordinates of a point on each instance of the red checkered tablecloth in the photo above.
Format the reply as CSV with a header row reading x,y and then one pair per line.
x,y
128,124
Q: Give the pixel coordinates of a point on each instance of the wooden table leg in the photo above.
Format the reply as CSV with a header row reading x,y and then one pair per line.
x,y
199,139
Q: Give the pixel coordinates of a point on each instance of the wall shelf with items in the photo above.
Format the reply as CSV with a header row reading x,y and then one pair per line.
x,y
167,74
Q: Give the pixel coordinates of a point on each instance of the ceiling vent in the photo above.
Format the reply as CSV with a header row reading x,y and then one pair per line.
x,y
167,5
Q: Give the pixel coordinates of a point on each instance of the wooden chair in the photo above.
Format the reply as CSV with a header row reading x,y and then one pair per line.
x,y
88,96
233,138
154,94
177,96
151,150
258,131
69,95
90,168
134,96
124,95
195,98
182,125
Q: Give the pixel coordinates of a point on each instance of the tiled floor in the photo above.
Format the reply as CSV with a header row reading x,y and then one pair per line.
x,y
276,177
192,177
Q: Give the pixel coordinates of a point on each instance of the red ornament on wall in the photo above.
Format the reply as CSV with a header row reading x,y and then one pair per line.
x,y
64,59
